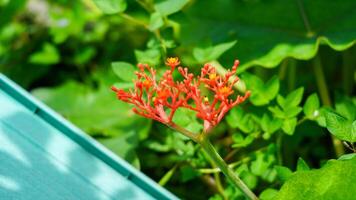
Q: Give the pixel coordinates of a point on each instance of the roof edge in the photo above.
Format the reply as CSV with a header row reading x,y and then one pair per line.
x,y
84,140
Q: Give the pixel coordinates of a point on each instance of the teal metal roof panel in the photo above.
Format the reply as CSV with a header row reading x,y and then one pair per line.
x,y
43,156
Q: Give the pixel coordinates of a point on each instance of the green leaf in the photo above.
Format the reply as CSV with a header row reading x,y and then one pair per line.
x,y
270,125
311,106
9,9
188,173
272,87
249,179
321,117
289,125
347,156
187,118
164,180
302,165
262,93
264,38
283,173
281,100
335,180
125,71
156,21
294,98
237,118
268,194
47,56
97,112
241,141
84,55
149,56
346,108
277,112
262,163
124,145
340,127
168,7
292,111
203,55
111,6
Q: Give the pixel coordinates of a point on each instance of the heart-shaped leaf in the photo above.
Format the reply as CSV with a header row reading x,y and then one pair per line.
x,y
270,31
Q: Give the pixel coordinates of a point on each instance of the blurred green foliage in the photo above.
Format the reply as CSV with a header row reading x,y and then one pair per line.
x,y
297,58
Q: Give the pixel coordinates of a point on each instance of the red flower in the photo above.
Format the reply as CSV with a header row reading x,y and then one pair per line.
x,y
159,100
172,62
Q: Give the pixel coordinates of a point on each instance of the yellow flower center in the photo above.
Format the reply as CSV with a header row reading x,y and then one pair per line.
x,y
212,76
146,83
172,61
225,91
206,99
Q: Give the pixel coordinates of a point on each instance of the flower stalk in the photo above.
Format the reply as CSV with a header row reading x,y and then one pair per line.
x,y
160,99
226,170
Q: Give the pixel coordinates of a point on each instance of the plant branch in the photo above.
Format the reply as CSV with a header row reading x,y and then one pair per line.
x,y
219,186
229,173
184,131
320,81
325,98
134,20
203,140
304,16
347,71
231,165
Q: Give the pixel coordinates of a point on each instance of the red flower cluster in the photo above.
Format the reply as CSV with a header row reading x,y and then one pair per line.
x,y
159,100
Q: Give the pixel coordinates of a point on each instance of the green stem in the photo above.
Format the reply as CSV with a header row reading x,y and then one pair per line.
x,y
279,147
302,120
184,131
320,81
347,71
231,165
283,69
325,98
219,186
304,16
203,140
229,173
134,20
292,74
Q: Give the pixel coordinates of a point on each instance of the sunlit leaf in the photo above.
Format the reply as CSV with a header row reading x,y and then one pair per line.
x,y
111,6
302,165
125,71
211,53
268,194
48,55
341,127
262,93
149,56
335,180
311,106
168,7
156,21
289,125
283,173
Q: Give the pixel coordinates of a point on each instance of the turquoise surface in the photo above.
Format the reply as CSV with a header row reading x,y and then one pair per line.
x,y
42,156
